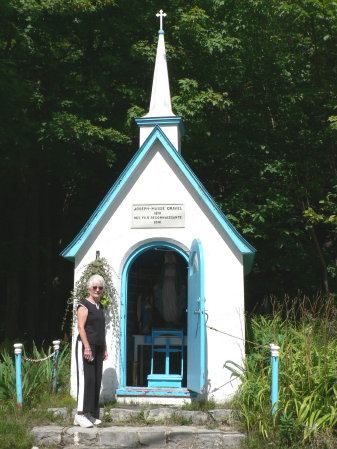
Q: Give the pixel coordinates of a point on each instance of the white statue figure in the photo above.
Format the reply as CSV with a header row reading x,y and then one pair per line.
x,y
170,293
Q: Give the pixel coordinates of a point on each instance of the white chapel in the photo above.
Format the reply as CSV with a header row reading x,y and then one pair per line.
x,y
178,267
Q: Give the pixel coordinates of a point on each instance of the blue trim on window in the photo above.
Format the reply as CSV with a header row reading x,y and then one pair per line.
x,y
124,294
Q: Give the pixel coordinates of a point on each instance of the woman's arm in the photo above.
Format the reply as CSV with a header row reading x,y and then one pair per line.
x,y
105,352
82,315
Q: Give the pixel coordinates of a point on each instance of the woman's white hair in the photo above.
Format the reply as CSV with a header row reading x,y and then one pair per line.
x,y
94,279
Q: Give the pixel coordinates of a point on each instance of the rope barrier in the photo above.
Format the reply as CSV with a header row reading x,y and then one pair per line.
x,y
39,360
18,349
238,338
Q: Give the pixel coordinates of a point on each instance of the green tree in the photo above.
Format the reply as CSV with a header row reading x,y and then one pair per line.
x,y
255,83
264,147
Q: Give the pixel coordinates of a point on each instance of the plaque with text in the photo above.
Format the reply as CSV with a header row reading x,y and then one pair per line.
x,y
158,216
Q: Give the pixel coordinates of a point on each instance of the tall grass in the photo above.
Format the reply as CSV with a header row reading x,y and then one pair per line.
x,y
307,410
36,376
36,385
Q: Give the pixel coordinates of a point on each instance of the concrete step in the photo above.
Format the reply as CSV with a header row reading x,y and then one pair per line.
x,y
127,437
161,415
153,428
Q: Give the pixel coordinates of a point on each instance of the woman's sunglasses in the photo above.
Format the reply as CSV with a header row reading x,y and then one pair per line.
x,y
96,287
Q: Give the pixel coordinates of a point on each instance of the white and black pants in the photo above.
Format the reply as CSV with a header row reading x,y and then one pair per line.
x,y
89,378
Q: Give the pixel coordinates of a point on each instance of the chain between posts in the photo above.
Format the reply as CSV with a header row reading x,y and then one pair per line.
x,y
238,338
39,360
274,358
18,348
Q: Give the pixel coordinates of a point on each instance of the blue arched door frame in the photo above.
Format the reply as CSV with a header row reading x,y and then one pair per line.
x,y
124,295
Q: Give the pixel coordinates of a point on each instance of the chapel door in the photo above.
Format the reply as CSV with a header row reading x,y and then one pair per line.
x,y
146,313
196,320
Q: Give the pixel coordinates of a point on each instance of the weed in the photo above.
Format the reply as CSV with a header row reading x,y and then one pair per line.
x,y
201,406
106,417
111,404
143,419
179,420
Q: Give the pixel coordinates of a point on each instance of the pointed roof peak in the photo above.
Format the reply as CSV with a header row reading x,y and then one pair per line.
x,y
160,105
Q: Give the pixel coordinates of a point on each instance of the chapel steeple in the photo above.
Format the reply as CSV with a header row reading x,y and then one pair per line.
x,y
160,112
160,105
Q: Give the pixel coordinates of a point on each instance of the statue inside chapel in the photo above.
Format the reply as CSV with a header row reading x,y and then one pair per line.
x,y
170,292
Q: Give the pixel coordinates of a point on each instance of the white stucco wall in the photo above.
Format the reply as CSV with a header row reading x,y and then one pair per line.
x,y
172,132
224,286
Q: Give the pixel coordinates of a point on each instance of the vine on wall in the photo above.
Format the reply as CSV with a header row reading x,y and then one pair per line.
x,y
108,298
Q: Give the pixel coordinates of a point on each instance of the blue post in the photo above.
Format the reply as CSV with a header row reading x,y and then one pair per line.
x,y
18,352
56,344
274,353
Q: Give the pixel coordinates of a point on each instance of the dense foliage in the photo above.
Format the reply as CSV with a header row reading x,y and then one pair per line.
x,y
307,406
255,81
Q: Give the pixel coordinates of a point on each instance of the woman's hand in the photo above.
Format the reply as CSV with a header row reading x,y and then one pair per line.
x,y
105,354
87,354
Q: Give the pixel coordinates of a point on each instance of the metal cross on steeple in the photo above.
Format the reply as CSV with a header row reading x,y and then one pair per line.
x,y
161,14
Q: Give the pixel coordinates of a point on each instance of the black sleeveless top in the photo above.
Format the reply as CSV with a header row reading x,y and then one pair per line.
x,y
95,324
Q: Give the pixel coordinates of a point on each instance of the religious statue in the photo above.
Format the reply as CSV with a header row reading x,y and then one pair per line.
x,y
170,293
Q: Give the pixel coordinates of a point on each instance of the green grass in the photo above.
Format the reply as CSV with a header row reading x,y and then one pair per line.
x,y
59,400
200,406
14,435
307,409
206,405
15,425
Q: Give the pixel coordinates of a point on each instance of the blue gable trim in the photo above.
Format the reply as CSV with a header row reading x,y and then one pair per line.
x,y
241,244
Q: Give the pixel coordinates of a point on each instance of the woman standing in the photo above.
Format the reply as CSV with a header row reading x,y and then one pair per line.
x,y
90,353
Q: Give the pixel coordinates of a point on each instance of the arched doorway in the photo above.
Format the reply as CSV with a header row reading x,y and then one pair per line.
x,y
154,286
157,297
139,277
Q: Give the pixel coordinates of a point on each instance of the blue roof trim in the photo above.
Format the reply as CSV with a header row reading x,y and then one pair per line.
x,y
161,121
242,245
240,242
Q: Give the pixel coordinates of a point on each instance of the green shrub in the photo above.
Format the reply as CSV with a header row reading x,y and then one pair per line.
x,y
15,424
306,333
36,377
